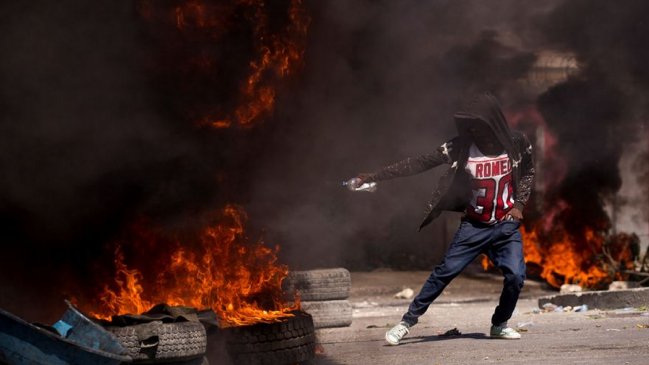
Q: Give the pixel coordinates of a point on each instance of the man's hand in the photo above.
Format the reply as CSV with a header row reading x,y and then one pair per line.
x,y
363,176
360,179
356,182
515,213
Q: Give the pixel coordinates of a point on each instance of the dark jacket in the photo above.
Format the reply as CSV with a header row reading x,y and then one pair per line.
x,y
454,189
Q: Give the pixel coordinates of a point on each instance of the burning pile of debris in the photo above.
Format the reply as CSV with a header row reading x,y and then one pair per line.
x,y
591,261
222,299
220,269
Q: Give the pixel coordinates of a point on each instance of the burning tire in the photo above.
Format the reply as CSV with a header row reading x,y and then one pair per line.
x,y
290,341
157,341
334,313
319,285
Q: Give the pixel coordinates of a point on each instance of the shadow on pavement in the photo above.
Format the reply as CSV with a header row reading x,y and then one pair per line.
x,y
413,340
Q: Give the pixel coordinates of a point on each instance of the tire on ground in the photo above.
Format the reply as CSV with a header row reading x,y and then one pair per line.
x,y
334,313
319,285
156,341
290,341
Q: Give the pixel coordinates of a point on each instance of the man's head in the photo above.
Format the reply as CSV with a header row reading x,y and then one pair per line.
x,y
483,110
480,133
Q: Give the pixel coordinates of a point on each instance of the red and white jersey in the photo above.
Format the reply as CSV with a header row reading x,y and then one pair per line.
x,y
493,193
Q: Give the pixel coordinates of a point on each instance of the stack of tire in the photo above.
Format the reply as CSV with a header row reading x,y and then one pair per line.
x,y
323,294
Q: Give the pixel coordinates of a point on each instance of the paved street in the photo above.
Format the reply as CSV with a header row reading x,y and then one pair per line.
x,y
592,337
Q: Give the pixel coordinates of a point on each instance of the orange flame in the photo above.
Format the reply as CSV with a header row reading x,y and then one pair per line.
x,y
562,257
277,54
575,260
563,262
240,281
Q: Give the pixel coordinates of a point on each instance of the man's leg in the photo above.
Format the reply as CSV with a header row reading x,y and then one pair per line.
x,y
506,253
468,243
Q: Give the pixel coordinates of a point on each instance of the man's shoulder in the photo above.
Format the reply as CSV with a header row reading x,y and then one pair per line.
x,y
522,143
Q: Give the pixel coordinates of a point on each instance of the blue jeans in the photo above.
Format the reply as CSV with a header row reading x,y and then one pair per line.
x,y
501,242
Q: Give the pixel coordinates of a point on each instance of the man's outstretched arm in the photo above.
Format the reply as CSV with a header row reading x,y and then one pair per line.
x,y
411,165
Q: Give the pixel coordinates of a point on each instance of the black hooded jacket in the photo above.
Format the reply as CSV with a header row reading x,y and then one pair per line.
x,y
454,189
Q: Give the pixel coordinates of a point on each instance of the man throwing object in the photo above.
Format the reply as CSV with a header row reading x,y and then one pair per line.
x,y
490,179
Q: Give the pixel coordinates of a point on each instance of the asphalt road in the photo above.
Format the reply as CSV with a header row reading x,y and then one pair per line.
x,y
591,337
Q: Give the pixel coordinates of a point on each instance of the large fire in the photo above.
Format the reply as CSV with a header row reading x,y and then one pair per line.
x,y
221,61
239,280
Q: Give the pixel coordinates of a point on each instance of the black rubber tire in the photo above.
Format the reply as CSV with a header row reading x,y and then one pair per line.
x,y
334,313
319,285
288,342
179,341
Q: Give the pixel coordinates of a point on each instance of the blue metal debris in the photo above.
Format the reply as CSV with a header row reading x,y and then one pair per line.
x,y
74,340
88,333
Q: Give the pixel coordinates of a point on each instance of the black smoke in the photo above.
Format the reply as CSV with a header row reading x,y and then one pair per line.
x,y
600,112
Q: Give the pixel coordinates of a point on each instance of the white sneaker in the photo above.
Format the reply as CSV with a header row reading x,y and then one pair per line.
x,y
396,333
506,333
